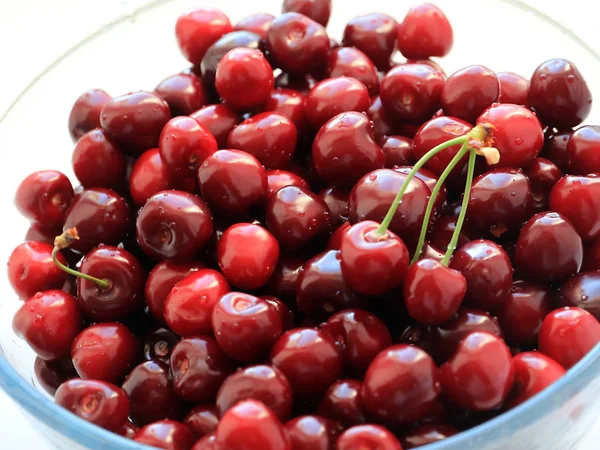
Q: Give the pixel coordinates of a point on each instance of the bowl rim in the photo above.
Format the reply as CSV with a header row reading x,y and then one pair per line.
x,y
84,433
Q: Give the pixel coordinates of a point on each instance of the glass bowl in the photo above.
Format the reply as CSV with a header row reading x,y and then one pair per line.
x,y
136,52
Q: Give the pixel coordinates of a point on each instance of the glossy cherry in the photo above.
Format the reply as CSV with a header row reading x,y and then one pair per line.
x,y
317,10
343,403
555,148
85,113
398,151
202,420
583,291
148,176
292,104
165,434
430,179
283,281
98,162
158,344
374,34
39,233
425,32
351,62
514,88
51,374
184,93
337,202
441,233
311,433
583,149
427,434
219,120
277,179
373,437
256,23
575,198
382,124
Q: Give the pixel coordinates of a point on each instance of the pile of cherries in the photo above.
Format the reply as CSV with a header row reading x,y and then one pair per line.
x,y
303,245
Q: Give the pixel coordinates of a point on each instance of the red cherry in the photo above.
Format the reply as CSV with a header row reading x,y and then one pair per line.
x,y
287,316
480,374
31,269
374,34
433,292
100,403
513,88
269,136
442,231
372,437
105,351
219,120
202,420
351,62
534,372
425,32
291,104
49,322
398,151
581,290
158,344
208,442
335,240
197,30
128,430
311,433
427,434
317,10
283,281
555,148
336,200
430,179
309,358
184,92
250,425
543,175
583,149
567,334
373,263
44,196
165,434
343,403
382,124
98,162
219,176
189,305
51,374
256,23
149,175
263,383
85,113
236,69
42,234
277,179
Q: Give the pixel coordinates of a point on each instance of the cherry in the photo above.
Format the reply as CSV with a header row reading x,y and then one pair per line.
x,y
398,151
135,120
51,374
263,383
335,240
183,92
105,351
296,216
321,289
85,113
582,150
208,442
513,88
336,200
555,148
100,215
373,262
343,403
430,179
269,136
173,225
31,269
158,344
39,233
291,104
128,430
166,434
317,10
433,292
309,358
219,176
283,281
351,62
256,23
582,290
361,336
559,94
219,120
150,391
277,179
149,175
298,44
344,149
198,367
431,252
575,198
189,305
202,420
239,67
49,322
245,326
427,434
373,437
198,29
98,162
488,271
287,316
311,433
411,92
568,334
548,249
442,232
44,196
374,34
382,124
102,404
425,32
251,425
591,257
543,175
534,372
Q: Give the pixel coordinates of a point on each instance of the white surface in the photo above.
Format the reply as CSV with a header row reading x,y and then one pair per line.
x,y
34,32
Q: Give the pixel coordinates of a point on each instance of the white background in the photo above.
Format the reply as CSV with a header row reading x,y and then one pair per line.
x,y
34,32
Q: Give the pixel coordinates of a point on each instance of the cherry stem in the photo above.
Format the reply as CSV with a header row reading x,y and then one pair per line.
x,y
436,190
463,210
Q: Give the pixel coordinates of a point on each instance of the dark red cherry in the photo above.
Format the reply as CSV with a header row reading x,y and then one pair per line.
x,y
337,202
219,177
517,133
398,151
44,196
98,162
277,179
263,383
430,179
184,92
291,104
311,433
534,372
401,385
555,148
39,233
287,316
427,434
166,434
269,136
189,305
150,391
335,240
583,291
49,322
343,403
411,92
100,215
298,44
543,174
310,359
158,344
256,23
425,32
548,249
559,94
105,351
576,198
199,367
583,149
198,29
85,113
513,88
51,374
31,269
317,10
591,257
149,175
382,123
375,35
441,233
202,420
219,120
251,425
135,120
433,292
373,437
351,62
480,374
283,281
173,225
102,404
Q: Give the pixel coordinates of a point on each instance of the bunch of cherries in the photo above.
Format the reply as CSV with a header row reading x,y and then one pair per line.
x,y
299,245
